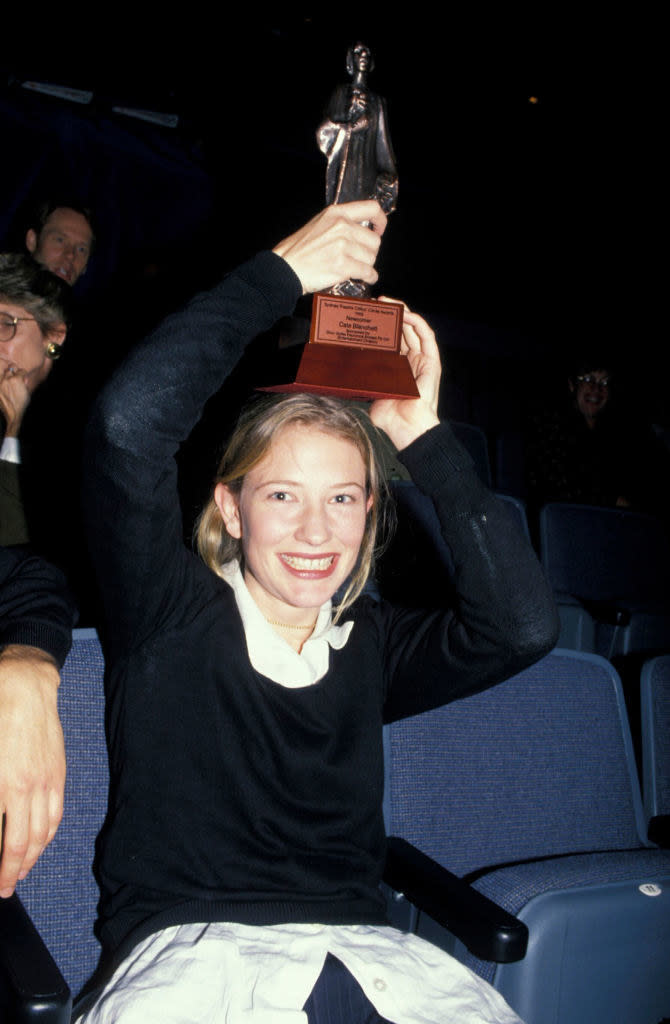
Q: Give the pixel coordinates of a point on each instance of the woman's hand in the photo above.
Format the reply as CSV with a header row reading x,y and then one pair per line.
x,y
14,397
405,419
336,245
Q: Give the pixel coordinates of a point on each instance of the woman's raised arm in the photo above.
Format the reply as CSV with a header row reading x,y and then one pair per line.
x,y
155,399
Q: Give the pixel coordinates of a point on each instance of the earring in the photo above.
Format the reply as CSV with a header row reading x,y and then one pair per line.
x,y
53,351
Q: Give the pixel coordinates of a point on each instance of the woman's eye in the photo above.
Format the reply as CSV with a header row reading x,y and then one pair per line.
x,y
279,496
343,499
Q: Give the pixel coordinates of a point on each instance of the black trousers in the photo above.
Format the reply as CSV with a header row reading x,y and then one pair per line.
x,y
337,998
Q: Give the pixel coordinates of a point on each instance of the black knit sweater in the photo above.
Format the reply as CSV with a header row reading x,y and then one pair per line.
x,y
234,798
36,608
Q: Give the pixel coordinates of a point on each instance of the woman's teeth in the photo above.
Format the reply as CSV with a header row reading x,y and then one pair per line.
x,y
318,564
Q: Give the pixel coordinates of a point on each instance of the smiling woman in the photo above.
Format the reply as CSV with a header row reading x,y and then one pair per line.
x,y
312,457
244,846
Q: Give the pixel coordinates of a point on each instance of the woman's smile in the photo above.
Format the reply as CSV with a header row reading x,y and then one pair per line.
x,y
301,517
310,564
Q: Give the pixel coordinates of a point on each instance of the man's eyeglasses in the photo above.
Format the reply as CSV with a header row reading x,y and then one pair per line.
x,y
588,378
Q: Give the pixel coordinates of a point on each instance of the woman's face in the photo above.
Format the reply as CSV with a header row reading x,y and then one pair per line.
x,y
301,517
26,352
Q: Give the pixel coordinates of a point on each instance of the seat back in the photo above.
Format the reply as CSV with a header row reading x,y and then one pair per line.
x,y
655,721
518,509
538,766
475,443
605,554
617,563
510,474
578,628
60,893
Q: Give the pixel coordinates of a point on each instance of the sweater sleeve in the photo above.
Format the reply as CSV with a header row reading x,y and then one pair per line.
x,y
35,606
148,408
503,616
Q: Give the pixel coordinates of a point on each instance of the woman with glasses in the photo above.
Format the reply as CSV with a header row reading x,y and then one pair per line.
x,y
243,849
33,325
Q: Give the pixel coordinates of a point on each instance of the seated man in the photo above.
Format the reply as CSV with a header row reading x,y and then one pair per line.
x,y
60,238
36,617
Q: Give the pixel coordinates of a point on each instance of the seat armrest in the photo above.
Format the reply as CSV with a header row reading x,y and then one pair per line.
x,y
488,931
31,986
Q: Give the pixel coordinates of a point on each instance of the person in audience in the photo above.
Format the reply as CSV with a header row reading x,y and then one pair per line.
x,y
33,326
590,450
36,617
60,238
244,844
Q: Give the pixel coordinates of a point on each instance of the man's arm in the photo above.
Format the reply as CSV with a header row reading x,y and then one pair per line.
x,y
36,616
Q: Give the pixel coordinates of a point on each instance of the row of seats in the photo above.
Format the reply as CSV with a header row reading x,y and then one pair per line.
x,y
529,793
516,821
608,568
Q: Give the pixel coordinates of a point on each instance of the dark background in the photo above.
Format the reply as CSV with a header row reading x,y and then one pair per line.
x,y
524,229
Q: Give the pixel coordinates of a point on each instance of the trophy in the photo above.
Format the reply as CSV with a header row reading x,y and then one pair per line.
x,y
354,342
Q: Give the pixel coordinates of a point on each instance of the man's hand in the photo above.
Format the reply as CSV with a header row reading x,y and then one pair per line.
x,y
336,245
32,760
14,397
404,419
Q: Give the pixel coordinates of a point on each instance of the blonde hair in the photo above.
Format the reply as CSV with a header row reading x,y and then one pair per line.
x,y
251,440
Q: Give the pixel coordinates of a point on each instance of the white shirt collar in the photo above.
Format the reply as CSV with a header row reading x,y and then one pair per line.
x,y
274,657
10,450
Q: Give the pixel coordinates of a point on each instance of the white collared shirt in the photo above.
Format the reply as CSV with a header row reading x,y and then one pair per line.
x,y
271,655
10,450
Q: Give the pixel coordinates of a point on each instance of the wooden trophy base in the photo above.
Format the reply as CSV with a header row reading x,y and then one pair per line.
x,y
353,351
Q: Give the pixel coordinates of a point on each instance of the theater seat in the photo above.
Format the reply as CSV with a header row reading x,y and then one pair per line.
x,y
528,794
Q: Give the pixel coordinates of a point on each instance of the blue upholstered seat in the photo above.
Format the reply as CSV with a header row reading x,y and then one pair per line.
x,y
529,791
